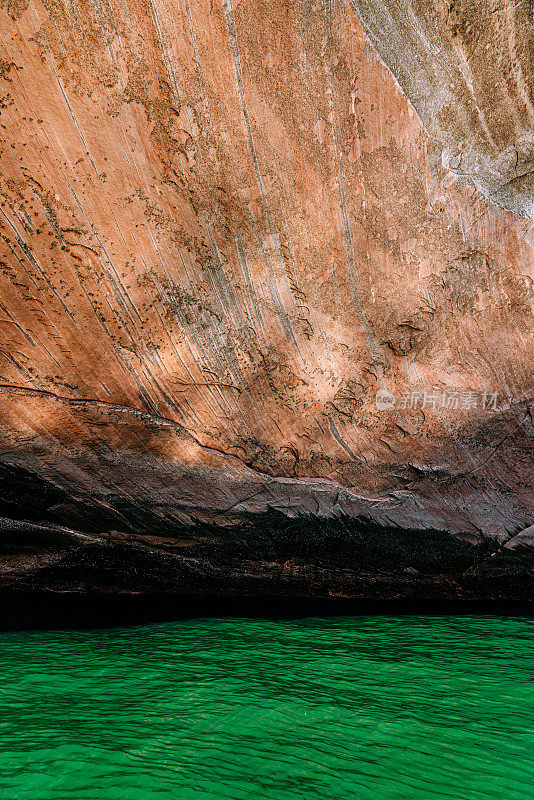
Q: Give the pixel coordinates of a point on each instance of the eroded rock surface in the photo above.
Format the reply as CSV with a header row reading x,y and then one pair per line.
x,y
224,229
468,69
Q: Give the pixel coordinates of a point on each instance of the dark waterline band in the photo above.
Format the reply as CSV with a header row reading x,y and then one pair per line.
x,y
69,610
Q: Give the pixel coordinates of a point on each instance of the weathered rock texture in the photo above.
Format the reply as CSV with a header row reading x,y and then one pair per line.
x,y
467,66
224,228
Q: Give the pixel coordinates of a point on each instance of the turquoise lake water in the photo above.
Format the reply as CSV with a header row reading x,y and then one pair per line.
x,y
363,708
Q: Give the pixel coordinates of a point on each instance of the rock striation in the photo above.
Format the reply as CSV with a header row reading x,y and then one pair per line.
x,y
266,300
467,69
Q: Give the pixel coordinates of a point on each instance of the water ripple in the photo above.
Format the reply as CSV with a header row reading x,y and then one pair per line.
x,y
381,708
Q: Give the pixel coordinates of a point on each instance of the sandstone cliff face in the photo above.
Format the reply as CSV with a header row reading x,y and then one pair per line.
x,y
467,67
224,229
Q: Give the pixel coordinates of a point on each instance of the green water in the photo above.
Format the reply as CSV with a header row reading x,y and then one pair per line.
x,y
382,708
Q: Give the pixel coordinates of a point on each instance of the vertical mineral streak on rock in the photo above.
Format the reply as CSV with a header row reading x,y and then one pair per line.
x,y
347,234
80,134
273,285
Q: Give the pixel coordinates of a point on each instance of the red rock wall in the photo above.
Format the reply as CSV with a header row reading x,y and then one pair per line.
x,y
229,218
